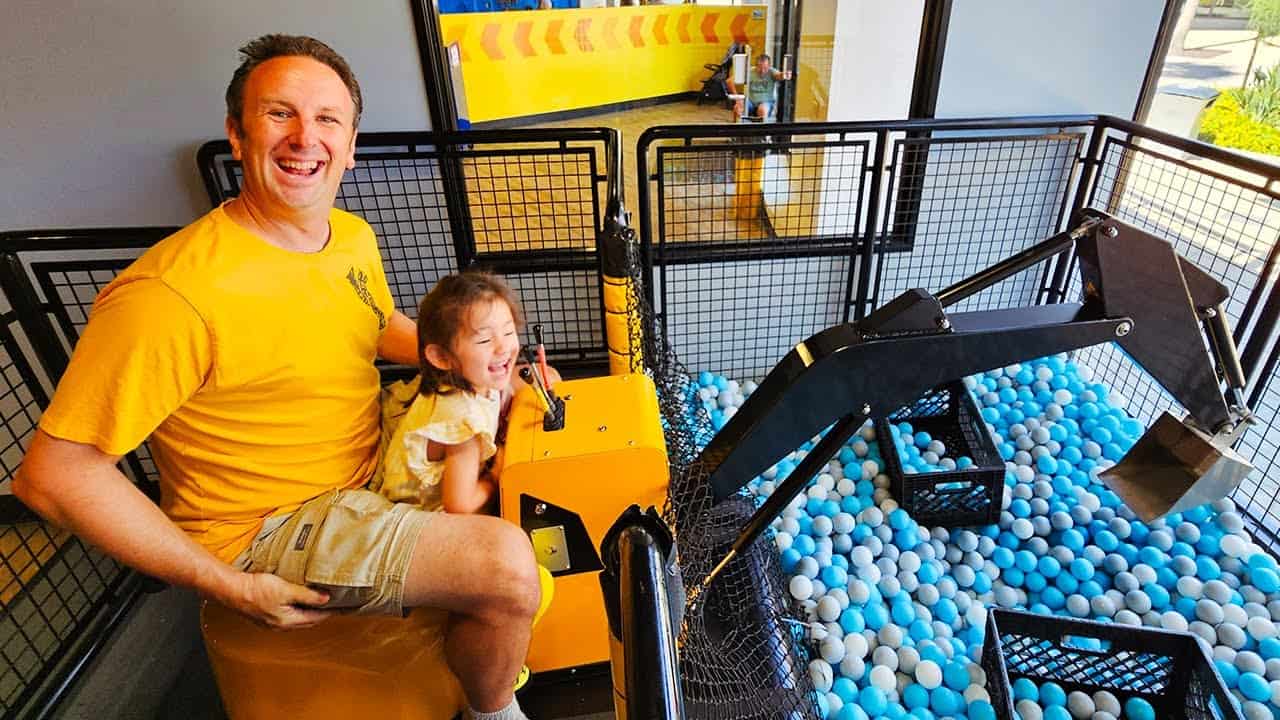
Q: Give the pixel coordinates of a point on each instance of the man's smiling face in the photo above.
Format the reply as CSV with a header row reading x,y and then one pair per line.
x,y
296,137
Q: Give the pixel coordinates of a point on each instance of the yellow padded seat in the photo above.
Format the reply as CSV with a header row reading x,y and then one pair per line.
x,y
345,667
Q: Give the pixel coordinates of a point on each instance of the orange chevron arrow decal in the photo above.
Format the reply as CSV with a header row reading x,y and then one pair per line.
x,y
583,35
522,38
709,28
610,38
739,28
637,40
659,31
553,37
459,35
489,41
683,27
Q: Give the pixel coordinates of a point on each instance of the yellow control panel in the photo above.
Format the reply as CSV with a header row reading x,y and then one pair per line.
x,y
566,488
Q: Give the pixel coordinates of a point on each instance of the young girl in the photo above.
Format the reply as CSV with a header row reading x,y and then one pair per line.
x,y
441,452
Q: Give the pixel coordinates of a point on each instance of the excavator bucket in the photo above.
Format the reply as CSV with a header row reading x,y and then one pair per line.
x,y
1174,467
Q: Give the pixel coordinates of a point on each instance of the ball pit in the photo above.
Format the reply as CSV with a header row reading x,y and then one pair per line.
x,y
897,611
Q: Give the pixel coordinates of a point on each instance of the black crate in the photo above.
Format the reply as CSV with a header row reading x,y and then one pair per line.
x,y
1170,670
952,498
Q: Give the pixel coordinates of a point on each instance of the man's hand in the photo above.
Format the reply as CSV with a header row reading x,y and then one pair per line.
x,y
276,603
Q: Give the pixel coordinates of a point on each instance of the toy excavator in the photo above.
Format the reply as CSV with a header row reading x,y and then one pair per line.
x,y
1164,312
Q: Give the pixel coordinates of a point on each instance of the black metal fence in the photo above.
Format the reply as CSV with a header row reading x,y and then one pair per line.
x,y
755,237
59,597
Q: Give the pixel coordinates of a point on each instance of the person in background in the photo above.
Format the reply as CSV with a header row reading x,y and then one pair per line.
x,y
762,85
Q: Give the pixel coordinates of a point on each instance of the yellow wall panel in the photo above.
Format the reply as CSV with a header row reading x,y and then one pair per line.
x,y
540,61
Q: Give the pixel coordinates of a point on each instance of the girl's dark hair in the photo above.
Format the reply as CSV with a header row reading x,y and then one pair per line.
x,y
444,311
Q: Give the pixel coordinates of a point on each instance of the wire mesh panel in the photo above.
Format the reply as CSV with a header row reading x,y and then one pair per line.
x,y
741,651
527,204
1225,219
959,204
52,279
754,240
53,588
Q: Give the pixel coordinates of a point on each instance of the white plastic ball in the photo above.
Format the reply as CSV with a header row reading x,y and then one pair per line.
x,y
801,587
853,667
821,675
1233,546
908,658
1204,630
856,645
829,611
1217,591
883,678
1249,661
1254,710
1231,635
1173,620
1080,705
1235,615
1190,587
832,650
1261,628
1104,701
1028,710
928,674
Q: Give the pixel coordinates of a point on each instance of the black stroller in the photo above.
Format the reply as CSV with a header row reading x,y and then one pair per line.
x,y
715,89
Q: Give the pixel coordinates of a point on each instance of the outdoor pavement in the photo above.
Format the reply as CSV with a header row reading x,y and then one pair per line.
x,y
1212,60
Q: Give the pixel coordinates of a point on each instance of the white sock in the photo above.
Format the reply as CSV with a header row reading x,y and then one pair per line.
x,y
510,712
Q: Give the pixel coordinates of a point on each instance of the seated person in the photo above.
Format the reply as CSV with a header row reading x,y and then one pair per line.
x,y
441,453
243,347
762,84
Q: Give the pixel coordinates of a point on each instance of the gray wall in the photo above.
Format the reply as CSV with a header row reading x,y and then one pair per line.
x,y
1035,57
103,105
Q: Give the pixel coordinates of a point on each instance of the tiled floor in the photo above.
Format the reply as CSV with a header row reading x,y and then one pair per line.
x,y
25,548
631,123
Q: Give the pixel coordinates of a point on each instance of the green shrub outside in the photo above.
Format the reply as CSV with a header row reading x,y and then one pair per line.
x,y
1227,124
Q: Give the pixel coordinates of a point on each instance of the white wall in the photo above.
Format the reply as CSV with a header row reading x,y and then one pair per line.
x,y
874,59
103,105
1037,57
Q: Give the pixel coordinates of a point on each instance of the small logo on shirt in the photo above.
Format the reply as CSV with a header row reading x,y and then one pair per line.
x,y
360,281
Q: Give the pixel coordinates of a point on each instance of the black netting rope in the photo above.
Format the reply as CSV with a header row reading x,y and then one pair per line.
x,y
741,653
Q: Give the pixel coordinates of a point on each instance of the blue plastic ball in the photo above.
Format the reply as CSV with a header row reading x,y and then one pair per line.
x,y
873,701
955,676
1138,709
1254,687
981,710
916,696
945,701
1024,689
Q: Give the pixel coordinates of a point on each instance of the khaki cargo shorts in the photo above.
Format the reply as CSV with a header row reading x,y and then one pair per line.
x,y
354,544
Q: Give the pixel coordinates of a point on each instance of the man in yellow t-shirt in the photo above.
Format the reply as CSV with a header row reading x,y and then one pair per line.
x,y
243,347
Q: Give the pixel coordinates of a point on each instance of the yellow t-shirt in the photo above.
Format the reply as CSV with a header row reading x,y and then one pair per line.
x,y
249,366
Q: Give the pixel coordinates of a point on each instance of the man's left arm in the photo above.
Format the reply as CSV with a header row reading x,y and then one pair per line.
x,y
399,342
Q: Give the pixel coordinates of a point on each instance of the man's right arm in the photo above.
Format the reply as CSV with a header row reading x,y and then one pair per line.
x,y
142,355
80,488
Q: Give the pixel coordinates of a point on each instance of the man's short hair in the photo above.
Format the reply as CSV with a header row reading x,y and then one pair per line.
x,y
267,47
764,56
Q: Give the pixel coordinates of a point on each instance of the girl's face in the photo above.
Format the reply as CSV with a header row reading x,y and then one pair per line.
x,y
485,349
